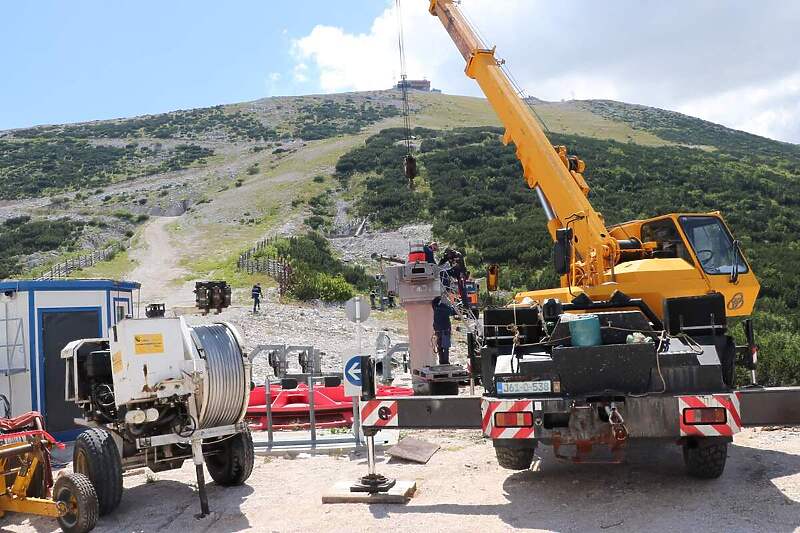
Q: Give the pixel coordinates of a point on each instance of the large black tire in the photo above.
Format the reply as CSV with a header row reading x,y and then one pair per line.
x,y
705,458
514,458
231,461
77,492
96,455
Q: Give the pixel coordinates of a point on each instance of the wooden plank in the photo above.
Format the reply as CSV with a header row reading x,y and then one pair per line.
x,y
411,449
403,490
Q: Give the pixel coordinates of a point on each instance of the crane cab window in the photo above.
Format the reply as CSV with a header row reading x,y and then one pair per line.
x,y
712,245
669,242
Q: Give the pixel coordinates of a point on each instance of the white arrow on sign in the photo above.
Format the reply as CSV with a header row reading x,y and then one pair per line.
x,y
352,375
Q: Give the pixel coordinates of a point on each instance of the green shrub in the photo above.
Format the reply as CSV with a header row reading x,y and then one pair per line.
x,y
319,179
314,222
309,285
22,236
304,285
124,215
333,288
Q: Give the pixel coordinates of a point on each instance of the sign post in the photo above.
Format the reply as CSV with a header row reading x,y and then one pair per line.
x,y
359,382
357,310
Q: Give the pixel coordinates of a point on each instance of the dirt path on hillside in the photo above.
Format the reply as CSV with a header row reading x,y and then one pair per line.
x,y
158,267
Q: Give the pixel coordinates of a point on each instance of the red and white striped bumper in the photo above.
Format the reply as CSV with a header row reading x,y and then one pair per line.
x,y
730,402
379,413
657,416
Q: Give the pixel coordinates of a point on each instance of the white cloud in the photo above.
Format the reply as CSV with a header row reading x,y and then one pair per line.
x,y
300,73
731,62
771,109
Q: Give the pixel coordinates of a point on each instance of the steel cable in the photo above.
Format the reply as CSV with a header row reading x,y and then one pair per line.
x,y
223,400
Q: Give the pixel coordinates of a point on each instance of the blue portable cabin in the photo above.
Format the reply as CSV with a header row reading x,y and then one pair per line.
x,y
37,319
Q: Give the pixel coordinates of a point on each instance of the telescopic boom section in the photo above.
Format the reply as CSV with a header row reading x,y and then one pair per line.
x,y
558,179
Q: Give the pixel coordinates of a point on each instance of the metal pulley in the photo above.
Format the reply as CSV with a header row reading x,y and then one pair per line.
x,y
410,167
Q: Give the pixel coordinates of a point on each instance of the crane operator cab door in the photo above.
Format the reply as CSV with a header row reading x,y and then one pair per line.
x,y
704,242
719,258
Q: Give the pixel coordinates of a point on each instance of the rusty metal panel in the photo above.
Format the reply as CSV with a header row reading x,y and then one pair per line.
x,y
439,412
771,406
651,416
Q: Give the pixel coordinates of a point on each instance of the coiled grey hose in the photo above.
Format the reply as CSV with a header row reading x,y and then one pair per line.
x,y
225,376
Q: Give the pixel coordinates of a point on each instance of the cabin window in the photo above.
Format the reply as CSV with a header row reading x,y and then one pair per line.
x,y
712,244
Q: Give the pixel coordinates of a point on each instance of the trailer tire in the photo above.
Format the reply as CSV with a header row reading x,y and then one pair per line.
x,y
96,455
705,458
230,462
77,492
514,458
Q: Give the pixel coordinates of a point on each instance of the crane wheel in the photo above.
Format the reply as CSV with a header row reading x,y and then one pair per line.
x,y
76,492
705,458
230,462
96,455
514,458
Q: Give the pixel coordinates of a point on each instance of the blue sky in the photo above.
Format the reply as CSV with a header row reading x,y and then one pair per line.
x,y
733,62
80,60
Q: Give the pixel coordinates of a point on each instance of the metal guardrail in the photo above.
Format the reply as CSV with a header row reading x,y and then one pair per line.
x,y
314,441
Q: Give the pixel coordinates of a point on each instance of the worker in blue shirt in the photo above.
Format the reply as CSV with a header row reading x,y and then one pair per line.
x,y
442,329
256,295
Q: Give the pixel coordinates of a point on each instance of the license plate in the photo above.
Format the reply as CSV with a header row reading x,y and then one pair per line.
x,y
524,387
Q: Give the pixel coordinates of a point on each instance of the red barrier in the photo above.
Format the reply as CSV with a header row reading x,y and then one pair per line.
x,y
290,407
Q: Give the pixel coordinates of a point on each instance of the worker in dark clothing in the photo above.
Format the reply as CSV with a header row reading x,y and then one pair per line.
x,y
256,295
457,273
429,249
442,311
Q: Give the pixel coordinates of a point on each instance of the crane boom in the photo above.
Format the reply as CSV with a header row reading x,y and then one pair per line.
x,y
557,179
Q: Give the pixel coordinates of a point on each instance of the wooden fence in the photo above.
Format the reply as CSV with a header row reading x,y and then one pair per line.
x,y
277,266
67,267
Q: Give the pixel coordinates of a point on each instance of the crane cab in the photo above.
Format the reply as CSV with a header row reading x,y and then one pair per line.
x,y
672,256
708,255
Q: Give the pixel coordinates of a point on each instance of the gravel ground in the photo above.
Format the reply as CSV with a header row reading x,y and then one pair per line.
x,y
463,489
388,243
279,323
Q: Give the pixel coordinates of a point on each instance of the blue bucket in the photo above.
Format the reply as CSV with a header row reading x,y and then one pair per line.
x,y
585,330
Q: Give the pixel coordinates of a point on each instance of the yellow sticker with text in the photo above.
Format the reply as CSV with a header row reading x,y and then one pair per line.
x,y
116,362
148,343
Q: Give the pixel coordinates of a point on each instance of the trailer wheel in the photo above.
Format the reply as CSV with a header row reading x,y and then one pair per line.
x,y
96,455
514,458
77,493
705,458
231,461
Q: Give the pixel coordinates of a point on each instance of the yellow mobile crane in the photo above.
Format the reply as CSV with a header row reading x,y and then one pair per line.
x,y
633,345
669,256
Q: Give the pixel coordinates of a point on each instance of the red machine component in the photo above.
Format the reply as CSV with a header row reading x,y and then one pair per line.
x,y
290,407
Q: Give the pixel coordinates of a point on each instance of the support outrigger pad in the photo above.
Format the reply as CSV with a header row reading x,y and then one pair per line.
x,y
373,483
